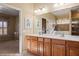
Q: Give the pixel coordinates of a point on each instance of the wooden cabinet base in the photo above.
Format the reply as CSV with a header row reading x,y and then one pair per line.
x,y
58,50
40,46
72,48
58,47
47,47
51,47
34,45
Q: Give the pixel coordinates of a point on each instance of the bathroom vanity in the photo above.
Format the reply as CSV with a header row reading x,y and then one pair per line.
x,y
48,45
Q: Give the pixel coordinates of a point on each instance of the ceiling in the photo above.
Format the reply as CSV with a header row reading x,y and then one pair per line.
x,y
9,11
61,12
66,10
57,10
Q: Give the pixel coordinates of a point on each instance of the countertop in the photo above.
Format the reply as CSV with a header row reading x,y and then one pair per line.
x,y
65,37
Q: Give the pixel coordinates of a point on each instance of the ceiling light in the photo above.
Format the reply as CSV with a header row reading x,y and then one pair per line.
x,y
35,11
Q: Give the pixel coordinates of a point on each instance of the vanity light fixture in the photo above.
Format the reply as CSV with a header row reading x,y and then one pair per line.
x,y
41,10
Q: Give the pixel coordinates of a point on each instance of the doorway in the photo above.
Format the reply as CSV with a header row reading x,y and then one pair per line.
x,y
9,31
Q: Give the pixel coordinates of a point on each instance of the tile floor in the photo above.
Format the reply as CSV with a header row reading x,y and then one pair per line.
x,y
25,53
9,47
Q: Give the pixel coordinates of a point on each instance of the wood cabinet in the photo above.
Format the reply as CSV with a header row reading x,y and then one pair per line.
x,y
34,45
72,48
58,47
58,50
75,23
28,43
47,47
51,47
40,46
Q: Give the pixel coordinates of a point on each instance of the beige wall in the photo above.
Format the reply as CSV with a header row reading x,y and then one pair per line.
x,y
27,13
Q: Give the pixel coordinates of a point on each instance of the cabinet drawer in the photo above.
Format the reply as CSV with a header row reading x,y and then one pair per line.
x,y
72,43
58,41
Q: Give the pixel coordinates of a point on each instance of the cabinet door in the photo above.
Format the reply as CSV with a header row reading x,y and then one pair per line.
x,y
27,43
34,45
72,48
47,47
58,47
58,50
40,46
72,51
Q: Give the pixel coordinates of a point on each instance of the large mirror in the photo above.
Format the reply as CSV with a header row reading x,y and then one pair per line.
x,y
58,21
48,23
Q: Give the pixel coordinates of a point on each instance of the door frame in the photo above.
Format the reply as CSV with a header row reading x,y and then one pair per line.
x,y
20,25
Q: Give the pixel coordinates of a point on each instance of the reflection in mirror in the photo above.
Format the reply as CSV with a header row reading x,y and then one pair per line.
x,y
46,23
43,25
52,22
0,27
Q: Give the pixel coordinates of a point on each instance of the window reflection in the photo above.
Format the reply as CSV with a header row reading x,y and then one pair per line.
x,y
0,27
0,23
3,28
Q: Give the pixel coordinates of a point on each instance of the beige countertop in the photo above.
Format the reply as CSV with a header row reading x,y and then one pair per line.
x,y
65,37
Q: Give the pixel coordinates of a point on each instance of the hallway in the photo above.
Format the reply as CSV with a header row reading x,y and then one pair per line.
x,y
9,47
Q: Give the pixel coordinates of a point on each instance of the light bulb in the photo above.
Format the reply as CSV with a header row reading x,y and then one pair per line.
x,y
44,9
61,3
35,11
